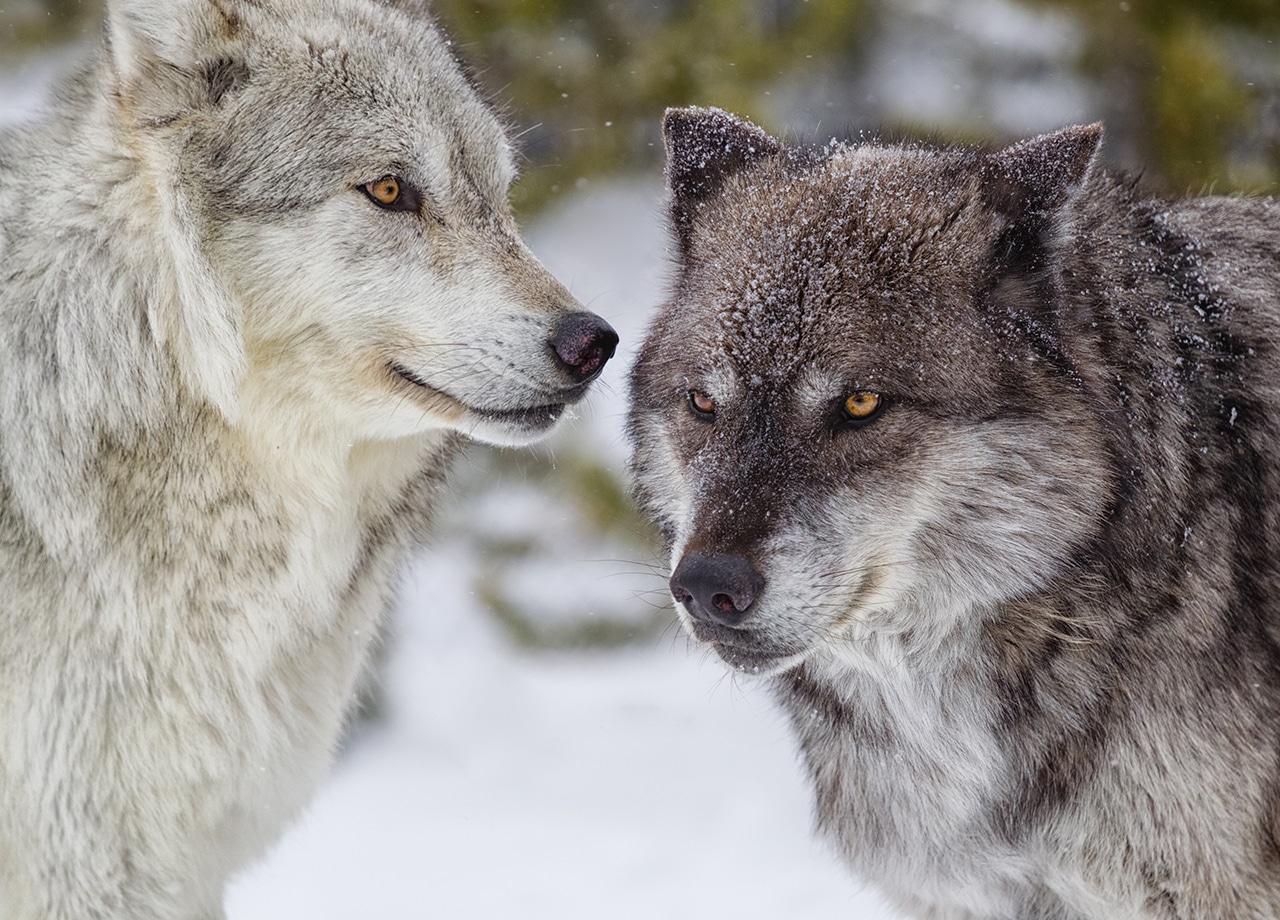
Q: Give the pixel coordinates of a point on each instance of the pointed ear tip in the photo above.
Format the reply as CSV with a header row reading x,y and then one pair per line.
x,y
1079,135
1092,133
1073,141
680,116
1089,139
699,111
674,118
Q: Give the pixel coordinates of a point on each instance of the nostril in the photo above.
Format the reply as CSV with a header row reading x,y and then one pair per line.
x,y
583,343
718,588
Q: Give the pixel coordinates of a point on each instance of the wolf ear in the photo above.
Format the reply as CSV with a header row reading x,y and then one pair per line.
x,y
1038,176
1029,185
170,57
172,54
704,148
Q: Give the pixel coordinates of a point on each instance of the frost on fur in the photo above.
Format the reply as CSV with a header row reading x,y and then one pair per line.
x,y
704,148
972,454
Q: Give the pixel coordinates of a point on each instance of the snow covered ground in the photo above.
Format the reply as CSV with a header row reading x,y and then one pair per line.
x,y
504,783
632,784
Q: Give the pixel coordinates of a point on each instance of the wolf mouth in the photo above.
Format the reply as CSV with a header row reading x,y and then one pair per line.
x,y
537,417
747,651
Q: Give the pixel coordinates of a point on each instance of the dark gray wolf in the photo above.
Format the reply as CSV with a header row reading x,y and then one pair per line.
x,y
976,455
258,281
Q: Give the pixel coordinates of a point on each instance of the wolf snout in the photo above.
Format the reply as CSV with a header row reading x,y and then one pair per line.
x,y
719,589
582,343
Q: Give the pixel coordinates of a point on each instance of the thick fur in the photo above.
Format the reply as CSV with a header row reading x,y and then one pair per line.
x,y
230,384
1025,620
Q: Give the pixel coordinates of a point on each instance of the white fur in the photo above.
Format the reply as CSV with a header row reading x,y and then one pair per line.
x,y
209,466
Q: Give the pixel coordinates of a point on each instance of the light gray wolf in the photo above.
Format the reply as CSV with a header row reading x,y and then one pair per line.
x,y
259,280
974,455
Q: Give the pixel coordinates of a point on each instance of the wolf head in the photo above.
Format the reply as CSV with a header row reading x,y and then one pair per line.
x,y
333,196
862,409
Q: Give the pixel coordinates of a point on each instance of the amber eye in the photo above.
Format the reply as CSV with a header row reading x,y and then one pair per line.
x,y
702,404
386,191
862,406
392,194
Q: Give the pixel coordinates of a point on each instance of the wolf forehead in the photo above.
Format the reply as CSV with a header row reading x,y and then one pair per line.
x,y
866,255
280,73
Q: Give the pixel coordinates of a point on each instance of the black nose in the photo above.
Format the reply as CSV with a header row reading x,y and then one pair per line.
x,y
716,588
583,342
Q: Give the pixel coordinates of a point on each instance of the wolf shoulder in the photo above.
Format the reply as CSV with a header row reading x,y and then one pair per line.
x,y
1207,262
1239,242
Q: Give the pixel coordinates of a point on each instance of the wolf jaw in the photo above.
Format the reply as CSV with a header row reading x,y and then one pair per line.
x,y
498,425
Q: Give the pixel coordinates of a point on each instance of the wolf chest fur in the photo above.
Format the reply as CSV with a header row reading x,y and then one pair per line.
x,y
258,281
972,454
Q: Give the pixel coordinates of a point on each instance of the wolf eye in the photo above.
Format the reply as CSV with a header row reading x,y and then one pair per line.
x,y
391,193
861,407
703,406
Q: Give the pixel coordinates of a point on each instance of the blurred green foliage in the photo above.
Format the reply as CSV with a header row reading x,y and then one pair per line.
x,y
30,24
591,77
1177,61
